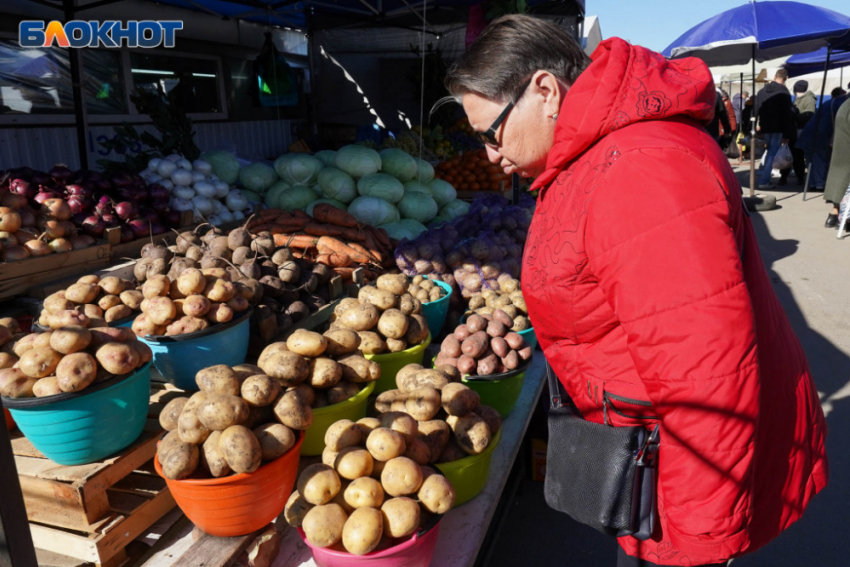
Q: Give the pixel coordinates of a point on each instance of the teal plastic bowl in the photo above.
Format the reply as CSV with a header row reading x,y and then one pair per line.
x,y
76,429
180,357
529,337
435,311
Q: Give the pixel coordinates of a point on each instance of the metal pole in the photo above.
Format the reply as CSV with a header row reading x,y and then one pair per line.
x,y
817,120
753,132
16,549
75,56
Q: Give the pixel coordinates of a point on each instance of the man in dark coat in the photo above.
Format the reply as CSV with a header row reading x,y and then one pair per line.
x,y
804,107
776,121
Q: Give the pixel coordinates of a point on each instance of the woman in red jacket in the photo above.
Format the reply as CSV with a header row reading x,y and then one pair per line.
x,y
644,283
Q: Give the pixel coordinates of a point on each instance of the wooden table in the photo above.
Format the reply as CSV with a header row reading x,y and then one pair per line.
x,y
462,530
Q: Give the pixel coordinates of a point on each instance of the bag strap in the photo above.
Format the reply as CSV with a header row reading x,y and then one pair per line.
x,y
555,399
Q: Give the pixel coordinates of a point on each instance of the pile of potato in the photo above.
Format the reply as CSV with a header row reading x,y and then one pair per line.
x,y
10,333
385,316
367,494
484,345
70,359
192,302
316,371
435,408
425,290
229,426
101,300
509,299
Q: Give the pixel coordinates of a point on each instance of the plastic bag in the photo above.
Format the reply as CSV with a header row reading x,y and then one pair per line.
x,y
783,159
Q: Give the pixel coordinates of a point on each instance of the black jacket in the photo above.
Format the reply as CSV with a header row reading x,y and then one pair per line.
x,y
721,116
774,111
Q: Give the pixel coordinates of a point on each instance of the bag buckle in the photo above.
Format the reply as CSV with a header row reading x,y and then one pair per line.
x,y
649,450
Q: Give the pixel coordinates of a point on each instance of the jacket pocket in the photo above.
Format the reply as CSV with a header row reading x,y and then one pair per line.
x,y
640,411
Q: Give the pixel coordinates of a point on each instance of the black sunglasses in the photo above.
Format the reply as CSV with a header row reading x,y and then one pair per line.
x,y
488,138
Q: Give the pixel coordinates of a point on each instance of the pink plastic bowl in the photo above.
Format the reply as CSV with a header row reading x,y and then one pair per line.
x,y
415,552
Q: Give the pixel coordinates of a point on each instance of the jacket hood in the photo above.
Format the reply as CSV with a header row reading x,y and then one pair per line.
x,y
625,84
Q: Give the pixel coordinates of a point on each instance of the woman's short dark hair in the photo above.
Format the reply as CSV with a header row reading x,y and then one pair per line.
x,y
509,51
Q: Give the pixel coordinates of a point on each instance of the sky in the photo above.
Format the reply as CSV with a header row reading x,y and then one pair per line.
x,y
657,23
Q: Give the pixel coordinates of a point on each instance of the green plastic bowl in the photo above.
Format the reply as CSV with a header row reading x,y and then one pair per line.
x,y
353,408
469,475
435,311
498,394
392,362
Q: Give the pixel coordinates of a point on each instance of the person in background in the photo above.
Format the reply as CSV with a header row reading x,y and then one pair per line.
x,y
738,100
838,91
817,145
805,104
719,126
744,141
729,136
644,281
776,121
838,177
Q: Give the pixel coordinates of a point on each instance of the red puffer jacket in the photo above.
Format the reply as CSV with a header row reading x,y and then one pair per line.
x,y
646,289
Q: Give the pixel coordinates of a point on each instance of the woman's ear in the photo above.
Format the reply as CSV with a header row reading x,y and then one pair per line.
x,y
549,90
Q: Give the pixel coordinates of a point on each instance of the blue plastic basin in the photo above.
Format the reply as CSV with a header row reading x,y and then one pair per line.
x,y
81,428
529,337
179,358
435,311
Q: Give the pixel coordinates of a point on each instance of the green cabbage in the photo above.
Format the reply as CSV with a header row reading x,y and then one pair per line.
x,y
398,231
398,163
273,194
357,161
224,165
382,186
296,197
442,191
372,210
257,177
327,157
337,184
424,171
415,227
298,169
454,209
416,187
252,196
332,202
418,206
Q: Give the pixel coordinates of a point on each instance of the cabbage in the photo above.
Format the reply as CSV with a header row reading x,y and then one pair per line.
x,y
224,165
337,184
327,157
257,177
424,171
296,197
414,226
398,231
252,196
418,206
398,163
274,193
416,187
372,210
298,169
381,185
442,191
332,202
357,161
454,209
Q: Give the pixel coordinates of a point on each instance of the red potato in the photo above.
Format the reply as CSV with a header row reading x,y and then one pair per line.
x,y
476,323
476,344
462,332
503,318
488,365
496,329
117,358
219,313
196,306
511,360
525,353
500,347
39,362
466,364
515,341
451,346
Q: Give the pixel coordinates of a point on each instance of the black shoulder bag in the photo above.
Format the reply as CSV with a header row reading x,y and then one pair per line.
x,y
601,476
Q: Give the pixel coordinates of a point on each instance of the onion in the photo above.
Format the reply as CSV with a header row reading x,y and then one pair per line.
x,y
205,189
40,178
111,219
149,215
61,245
184,163
203,166
60,173
57,208
84,190
52,228
44,196
127,234
26,234
203,205
94,226
174,158
140,227
78,242
214,220
166,168
27,216
104,204
13,253
238,215
180,204
7,239
13,201
236,200
182,177
154,163
157,192
183,192
125,210
221,189
103,185
198,176
160,206
10,219
38,247
138,181
167,183
79,204
70,229
20,186
121,179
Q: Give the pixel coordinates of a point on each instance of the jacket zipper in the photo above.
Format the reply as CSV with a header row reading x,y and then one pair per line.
x,y
606,401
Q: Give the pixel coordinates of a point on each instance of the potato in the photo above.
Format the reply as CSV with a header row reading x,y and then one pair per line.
x,y
275,440
186,325
241,449
82,293
342,434
196,306
396,345
412,380
341,392
418,452
295,510
318,484
160,310
7,360
511,361
67,340
292,410
452,452
491,416
323,525
391,400
451,346
212,458
69,319
132,298
381,299
377,468
168,442
155,286
471,432
180,461
423,403
341,342
39,362
466,364
363,317
417,330
258,416
144,327
401,476
500,347
393,324
171,413
222,411
307,392
364,492
356,369
353,462
245,371
367,425
24,344
363,531
122,312
190,428
400,422
57,302
437,495
401,516
372,343
219,313
289,368
324,373
260,390
195,401
384,444
107,302
191,282
76,371
396,284
219,290
521,323
475,344
435,434
488,365
218,379
48,386
459,399
329,457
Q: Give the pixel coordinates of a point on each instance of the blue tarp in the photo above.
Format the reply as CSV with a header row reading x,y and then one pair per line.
x,y
805,63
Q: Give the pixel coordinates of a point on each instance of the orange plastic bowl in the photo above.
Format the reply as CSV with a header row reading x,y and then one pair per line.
x,y
10,423
240,504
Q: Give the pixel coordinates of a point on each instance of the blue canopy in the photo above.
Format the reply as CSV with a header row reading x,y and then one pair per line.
x,y
805,63
760,30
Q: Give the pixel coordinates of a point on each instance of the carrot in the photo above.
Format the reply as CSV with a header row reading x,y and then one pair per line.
x,y
347,274
372,248
352,234
329,214
359,248
298,213
340,261
381,237
290,225
334,245
295,240
317,229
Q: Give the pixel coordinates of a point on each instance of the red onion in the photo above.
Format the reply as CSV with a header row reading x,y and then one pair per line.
x,y
149,214
79,204
93,226
84,189
40,178
127,234
110,219
43,196
27,216
104,205
138,181
60,173
125,210
121,179
102,184
140,227
22,187
157,228
157,192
